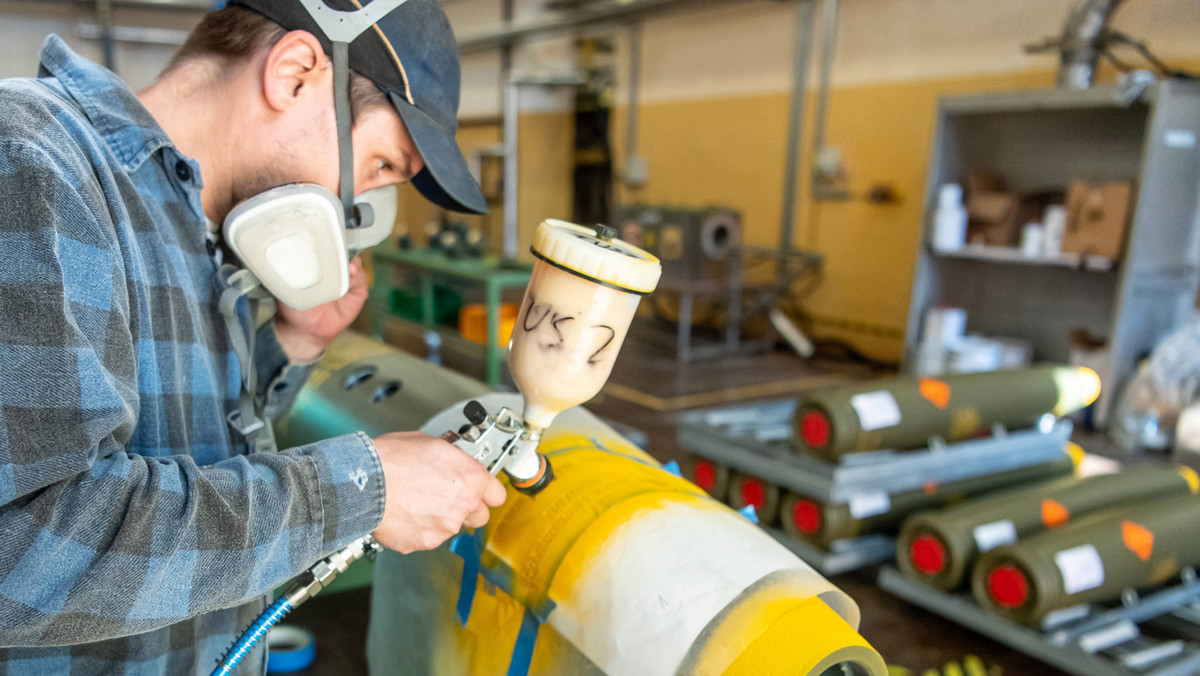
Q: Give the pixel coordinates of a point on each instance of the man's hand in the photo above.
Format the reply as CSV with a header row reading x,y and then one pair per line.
x,y
433,490
304,334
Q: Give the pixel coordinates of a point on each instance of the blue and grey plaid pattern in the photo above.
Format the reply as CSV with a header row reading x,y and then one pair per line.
x,y
138,536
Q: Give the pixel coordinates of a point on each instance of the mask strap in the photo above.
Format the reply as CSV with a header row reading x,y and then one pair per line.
x,y
247,419
342,28
341,111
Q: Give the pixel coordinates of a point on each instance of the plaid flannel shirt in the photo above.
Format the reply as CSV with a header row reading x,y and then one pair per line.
x,y
138,535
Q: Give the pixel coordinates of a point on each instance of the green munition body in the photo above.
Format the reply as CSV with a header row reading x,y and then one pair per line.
x,y
903,413
1094,559
747,490
347,390
940,547
822,524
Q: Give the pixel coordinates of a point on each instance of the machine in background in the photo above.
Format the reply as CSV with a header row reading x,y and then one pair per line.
x,y
705,264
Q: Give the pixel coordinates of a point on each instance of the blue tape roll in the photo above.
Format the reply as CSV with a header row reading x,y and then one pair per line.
x,y
290,649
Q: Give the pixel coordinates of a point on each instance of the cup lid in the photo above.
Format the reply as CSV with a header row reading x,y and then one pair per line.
x,y
595,253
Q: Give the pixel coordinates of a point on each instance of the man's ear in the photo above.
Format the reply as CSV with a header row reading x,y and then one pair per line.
x,y
292,70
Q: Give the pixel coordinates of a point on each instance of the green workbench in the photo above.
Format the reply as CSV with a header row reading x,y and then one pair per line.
x,y
493,272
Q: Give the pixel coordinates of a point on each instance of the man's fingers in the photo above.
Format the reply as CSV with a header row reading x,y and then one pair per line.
x,y
493,494
477,518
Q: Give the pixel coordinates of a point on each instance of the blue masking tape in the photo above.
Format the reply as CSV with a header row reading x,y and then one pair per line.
x,y
673,468
290,649
749,513
522,655
464,545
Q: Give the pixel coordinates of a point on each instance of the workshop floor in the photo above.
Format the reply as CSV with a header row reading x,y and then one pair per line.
x,y
647,392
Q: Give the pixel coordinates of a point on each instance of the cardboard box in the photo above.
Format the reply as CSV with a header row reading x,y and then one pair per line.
x,y
1097,216
979,181
993,218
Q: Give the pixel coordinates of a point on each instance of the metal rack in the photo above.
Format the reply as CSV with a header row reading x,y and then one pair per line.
x,y
1086,640
756,440
1043,139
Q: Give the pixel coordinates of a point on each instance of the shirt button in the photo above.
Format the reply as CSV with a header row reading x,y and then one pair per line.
x,y
183,171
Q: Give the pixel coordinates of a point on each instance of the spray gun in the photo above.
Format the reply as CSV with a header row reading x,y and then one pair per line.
x,y
582,295
581,298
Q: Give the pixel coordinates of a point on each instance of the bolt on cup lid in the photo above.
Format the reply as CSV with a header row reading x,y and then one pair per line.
x,y
596,254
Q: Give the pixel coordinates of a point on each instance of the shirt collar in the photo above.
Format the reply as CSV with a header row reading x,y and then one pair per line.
x,y
109,104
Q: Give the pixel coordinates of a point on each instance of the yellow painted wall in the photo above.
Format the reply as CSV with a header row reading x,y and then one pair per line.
x,y
543,183
730,151
713,118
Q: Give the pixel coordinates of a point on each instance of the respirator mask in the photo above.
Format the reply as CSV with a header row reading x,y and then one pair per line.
x,y
296,240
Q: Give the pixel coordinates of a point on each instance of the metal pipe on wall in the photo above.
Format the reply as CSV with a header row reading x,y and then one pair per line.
x,y
800,55
137,35
829,22
635,86
829,18
104,18
1082,38
512,109
609,12
512,113
172,5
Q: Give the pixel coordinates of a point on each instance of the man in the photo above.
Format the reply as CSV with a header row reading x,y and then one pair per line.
x,y
139,535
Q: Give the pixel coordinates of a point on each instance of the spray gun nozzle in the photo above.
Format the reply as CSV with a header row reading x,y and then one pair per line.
x,y
539,481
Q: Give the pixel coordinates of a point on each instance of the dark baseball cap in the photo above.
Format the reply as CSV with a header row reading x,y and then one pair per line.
x,y
412,56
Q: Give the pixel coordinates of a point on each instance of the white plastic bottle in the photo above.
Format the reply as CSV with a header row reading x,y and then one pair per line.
x,y
950,220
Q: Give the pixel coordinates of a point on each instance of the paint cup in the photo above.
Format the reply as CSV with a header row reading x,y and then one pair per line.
x,y
581,298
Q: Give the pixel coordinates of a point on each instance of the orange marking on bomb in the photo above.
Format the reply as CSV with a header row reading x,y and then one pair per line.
x,y
1054,515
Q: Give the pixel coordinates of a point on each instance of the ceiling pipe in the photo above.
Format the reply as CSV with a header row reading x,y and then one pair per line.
x,y
470,44
1082,42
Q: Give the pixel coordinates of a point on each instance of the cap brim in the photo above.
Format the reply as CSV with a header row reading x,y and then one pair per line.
x,y
445,180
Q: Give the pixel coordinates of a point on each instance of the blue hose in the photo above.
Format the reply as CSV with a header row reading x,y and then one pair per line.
x,y
249,638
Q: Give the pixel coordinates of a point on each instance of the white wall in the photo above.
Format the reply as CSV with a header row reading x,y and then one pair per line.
x,y
714,51
24,25
741,48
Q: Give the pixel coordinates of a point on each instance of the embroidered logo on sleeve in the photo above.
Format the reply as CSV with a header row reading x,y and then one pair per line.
x,y
359,477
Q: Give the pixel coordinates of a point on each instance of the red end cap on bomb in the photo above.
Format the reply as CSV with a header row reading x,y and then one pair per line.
x,y
815,429
927,554
753,493
705,475
1007,586
806,514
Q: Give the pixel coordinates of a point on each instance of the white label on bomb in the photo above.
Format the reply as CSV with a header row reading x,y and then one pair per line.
x,y
991,535
866,505
1081,568
876,410
1179,138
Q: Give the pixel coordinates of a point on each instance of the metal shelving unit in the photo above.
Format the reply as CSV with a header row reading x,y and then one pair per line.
x,y
755,440
1089,640
1041,140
